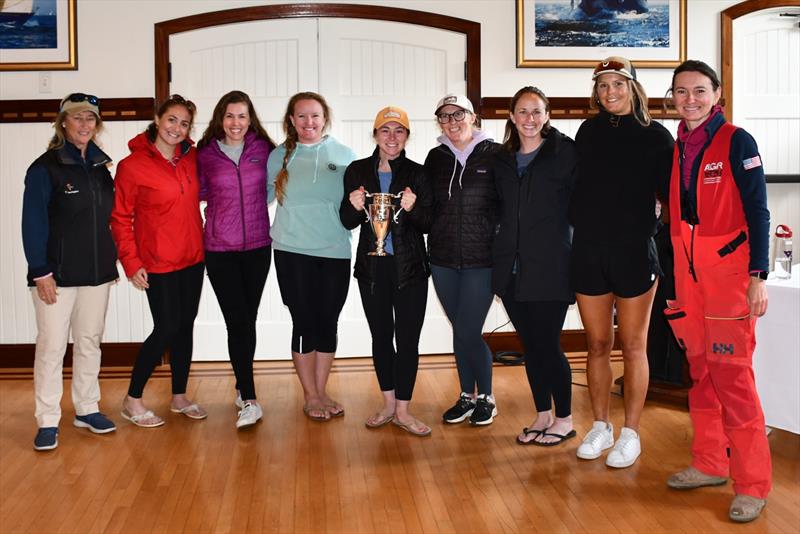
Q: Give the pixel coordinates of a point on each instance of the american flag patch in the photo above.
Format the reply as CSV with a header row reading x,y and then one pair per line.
x,y
751,163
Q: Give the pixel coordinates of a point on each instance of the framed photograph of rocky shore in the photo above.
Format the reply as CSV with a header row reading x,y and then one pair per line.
x,y
38,35
579,33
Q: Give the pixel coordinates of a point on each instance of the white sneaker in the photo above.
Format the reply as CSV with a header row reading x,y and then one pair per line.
x,y
238,401
249,415
627,449
599,438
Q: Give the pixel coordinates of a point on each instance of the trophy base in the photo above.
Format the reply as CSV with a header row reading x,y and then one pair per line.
x,y
381,253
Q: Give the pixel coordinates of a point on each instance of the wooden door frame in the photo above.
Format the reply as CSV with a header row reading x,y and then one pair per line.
x,y
726,23
472,31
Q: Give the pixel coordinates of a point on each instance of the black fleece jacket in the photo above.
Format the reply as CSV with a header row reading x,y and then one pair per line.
x,y
411,259
533,229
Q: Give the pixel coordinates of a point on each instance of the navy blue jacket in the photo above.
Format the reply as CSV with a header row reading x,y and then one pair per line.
x,y
66,209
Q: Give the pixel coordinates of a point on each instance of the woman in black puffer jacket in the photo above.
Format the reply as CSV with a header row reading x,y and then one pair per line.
x,y
394,286
459,243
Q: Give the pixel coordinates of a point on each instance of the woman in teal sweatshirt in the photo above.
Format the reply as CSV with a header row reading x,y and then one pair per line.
x,y
312,248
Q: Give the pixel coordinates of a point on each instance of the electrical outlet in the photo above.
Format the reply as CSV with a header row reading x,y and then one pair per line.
x,y
45,83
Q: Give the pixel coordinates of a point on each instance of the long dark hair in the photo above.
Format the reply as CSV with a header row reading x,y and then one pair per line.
x,y
511,140
291,137
173,100
215,129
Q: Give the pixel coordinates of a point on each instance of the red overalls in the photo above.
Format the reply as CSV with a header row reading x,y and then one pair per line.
x,y
711,318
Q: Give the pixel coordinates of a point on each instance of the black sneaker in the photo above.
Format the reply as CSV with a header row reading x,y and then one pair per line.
x,y
460,410
485,411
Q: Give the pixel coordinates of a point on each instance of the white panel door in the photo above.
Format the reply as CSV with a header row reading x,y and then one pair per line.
x,y
766,102
269,60
366,65
766,86
360,66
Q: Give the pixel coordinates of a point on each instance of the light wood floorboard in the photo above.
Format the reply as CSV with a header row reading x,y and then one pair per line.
x,y
291,474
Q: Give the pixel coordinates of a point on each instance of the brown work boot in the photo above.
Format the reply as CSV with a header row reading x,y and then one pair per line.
x,y
691,478
745,508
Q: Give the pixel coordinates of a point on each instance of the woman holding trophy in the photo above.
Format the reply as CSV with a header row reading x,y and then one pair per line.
x,y
387,195
311,247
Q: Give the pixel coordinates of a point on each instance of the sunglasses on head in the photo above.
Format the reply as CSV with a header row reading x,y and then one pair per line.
x,y
611,65
178,99
81,97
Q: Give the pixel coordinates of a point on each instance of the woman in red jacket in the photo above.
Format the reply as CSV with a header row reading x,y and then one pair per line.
x,y
159,234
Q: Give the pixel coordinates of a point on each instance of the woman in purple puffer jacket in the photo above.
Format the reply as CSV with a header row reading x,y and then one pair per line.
x,y
232,165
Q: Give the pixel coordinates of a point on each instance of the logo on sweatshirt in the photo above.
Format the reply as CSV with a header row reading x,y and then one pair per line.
x,y
69,189
712,173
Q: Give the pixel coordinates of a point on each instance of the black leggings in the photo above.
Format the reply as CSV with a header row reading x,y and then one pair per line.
x,y
173,298
314,289
539,326
238,280
395,317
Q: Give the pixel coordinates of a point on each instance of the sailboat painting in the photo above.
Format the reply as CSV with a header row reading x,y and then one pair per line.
x,y
37,35
576,33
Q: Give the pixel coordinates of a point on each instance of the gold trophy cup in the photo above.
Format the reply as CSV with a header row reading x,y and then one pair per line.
x,y
381,211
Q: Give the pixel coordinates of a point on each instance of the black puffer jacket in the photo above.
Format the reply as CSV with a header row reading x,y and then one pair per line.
x,y
465,210
407,241
533,228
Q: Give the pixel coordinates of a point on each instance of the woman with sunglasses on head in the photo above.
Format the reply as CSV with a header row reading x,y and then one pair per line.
x,y
159,233
460,243
535,173
719,218
72,262
232,164
624,158
394,287
312,248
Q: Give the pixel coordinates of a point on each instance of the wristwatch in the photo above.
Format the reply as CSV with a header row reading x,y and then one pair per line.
x,y
759,274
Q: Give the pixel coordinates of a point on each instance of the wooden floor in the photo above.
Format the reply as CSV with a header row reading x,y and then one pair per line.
x,y
290,474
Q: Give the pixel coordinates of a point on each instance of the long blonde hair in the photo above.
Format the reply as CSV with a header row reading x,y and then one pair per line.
x,y
291,137
638,102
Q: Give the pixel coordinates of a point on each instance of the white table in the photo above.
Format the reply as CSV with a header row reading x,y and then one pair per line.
x,y
776,362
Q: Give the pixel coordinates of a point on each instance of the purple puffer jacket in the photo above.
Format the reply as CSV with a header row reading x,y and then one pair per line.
x,y
236,214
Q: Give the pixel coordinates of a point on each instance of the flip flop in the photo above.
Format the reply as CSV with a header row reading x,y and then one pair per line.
x,y
137,419
330,409
528,431
561,438
410,427
312,413
380,421
186,410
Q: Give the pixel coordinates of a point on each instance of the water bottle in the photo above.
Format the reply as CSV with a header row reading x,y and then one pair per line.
x,y
783,252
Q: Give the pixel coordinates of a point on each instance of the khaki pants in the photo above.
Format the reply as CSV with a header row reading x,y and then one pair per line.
x,y
82,310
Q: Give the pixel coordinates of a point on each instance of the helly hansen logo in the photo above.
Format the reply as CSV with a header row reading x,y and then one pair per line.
x,y
722,348
712,173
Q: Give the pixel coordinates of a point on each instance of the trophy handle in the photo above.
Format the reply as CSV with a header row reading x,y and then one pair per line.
x,y
397,211
366,208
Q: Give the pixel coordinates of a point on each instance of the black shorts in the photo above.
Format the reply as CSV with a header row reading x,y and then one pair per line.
x,y
626,268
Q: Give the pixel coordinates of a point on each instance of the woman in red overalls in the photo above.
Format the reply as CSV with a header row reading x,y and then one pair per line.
x,y
720,233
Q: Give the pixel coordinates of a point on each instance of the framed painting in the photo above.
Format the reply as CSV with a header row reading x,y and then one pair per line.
x,y
38,35
579,33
